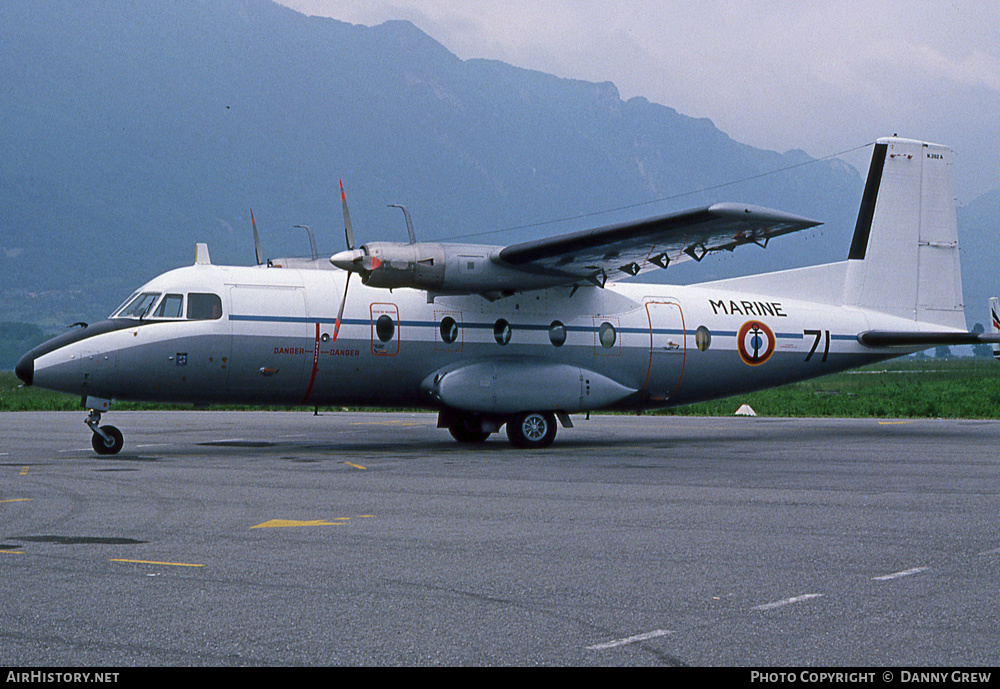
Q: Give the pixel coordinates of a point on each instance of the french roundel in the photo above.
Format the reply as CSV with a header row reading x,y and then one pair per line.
x,y
755,342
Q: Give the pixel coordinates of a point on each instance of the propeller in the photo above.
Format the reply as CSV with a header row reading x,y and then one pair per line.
x,y
256,240
348,229
347,262
353,260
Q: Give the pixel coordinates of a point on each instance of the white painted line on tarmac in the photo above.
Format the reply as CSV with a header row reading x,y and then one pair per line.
x,y
788,601
898,575
629,640
995,551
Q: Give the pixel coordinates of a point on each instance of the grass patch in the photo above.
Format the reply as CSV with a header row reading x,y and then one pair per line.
x,y
961,388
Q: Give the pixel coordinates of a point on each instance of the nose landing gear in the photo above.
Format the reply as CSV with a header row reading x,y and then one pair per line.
x,y
107,440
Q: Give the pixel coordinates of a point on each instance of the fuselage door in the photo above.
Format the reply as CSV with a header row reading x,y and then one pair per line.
x,y
273,344
667,349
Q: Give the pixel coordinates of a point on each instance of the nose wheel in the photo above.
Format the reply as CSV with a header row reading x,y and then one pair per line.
x,y
107,440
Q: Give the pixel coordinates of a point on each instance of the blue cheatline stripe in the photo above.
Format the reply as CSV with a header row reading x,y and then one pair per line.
x,y
514,326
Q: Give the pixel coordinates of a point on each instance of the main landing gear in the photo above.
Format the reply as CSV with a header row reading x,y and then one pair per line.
x,y
532,430
527,430
107,440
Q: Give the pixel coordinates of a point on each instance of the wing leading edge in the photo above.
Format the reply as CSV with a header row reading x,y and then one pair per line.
x,y
620,251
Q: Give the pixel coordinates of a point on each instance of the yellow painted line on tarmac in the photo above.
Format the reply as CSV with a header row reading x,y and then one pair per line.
x,y
284,523
356,466
17,500
894,423
23,472
12,552
156,562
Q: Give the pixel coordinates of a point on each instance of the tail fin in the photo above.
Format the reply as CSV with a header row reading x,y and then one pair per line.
x,y
995,320
904,256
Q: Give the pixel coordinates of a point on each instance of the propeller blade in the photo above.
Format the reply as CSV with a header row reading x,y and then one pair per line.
x,y
256,240
340,313
348,230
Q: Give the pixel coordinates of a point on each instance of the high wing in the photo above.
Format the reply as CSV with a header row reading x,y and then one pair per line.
x,y
593,256
620,251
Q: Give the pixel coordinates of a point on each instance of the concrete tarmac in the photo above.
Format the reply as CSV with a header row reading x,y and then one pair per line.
x,y
246,538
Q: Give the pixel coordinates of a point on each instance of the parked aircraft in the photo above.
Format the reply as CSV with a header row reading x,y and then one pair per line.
x,y
525,334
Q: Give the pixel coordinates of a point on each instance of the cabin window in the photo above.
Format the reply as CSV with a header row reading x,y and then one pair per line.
x,y
607,335
385,328
204,307
557,333
702,338
140,306
449,330
170,307
501,332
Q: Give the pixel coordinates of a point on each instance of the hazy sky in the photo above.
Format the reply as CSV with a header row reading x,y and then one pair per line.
x,y
820,76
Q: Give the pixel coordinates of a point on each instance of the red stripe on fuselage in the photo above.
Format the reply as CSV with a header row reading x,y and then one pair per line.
x,y
312,378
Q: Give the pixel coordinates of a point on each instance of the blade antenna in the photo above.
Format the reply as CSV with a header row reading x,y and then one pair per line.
x,y
409,221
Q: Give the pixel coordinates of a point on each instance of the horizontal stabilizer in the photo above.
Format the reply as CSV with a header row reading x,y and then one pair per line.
x,y
903,338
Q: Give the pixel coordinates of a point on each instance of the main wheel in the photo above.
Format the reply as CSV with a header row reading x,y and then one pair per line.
x,y
532,430
467,430
101,446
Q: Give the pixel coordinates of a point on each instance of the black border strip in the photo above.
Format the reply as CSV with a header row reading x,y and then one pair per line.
x,y
863,227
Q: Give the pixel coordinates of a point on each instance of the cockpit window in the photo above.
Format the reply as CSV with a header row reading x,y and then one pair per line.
x,y
170,307
204,307
138,307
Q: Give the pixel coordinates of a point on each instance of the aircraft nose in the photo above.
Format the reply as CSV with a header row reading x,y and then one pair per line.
x,y
25,368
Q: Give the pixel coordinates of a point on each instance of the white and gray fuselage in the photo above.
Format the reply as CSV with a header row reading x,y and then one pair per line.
x,y
624,346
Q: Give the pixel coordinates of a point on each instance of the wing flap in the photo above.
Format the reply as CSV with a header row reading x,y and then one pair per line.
x,y
623,250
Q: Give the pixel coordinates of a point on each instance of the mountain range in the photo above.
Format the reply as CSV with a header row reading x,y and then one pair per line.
x,y
131,130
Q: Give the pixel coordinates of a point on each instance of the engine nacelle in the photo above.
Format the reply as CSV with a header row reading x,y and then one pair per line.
x,y
441,268
421,265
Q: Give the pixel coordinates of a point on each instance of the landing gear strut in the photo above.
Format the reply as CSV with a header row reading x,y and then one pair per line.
x,y
107,440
